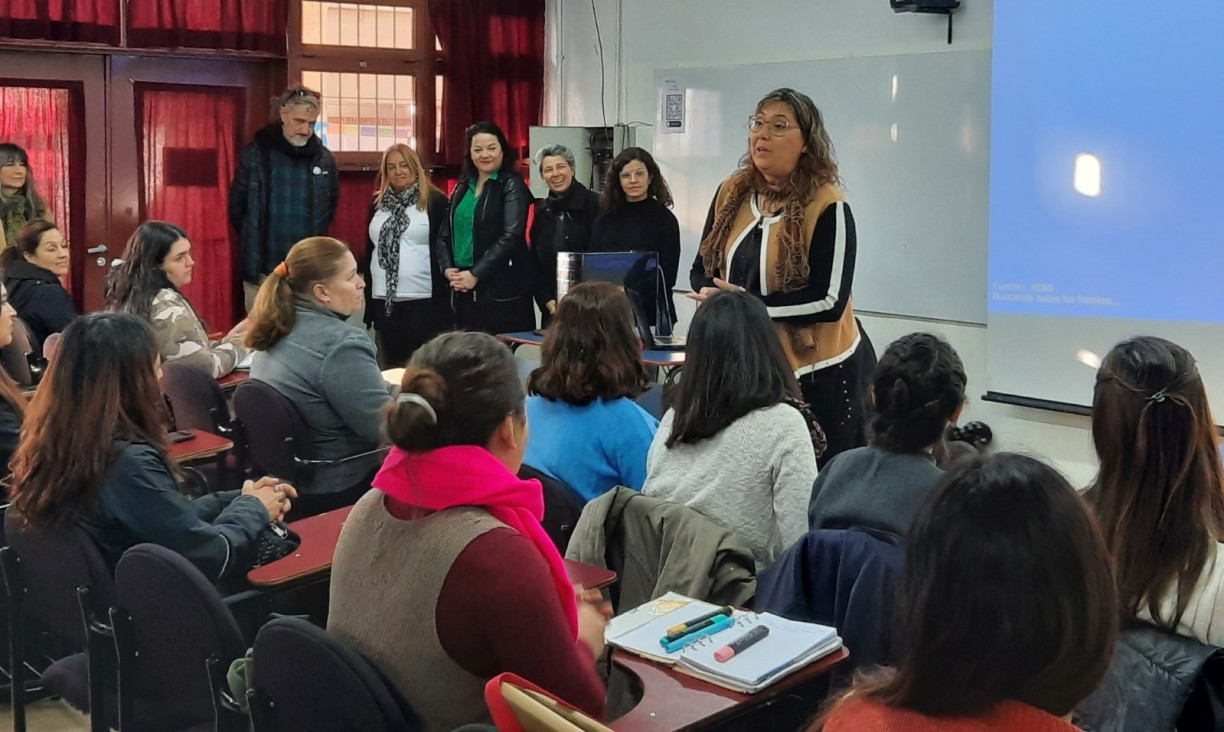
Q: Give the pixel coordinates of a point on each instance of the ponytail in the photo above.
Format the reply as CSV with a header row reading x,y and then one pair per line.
x,y
310,261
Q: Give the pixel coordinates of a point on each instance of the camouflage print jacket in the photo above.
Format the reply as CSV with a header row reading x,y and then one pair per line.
x,y
182,337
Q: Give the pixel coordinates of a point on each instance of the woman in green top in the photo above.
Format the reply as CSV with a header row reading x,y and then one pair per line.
x,y
19,202
482,247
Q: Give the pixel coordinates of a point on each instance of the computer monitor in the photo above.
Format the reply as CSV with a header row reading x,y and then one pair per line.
x,y
637,273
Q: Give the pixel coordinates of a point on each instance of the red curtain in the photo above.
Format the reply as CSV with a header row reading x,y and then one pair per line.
x,y
241,25
46,123
494,68
189,149
93,21
352,221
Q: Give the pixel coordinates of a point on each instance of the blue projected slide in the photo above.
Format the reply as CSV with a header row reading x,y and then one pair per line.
x,y
1107,159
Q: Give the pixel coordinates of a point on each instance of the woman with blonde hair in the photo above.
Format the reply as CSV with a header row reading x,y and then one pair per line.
x,y
407,299
324,365
780,228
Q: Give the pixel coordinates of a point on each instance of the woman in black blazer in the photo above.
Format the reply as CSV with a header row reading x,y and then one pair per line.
x,y
482,250
407,298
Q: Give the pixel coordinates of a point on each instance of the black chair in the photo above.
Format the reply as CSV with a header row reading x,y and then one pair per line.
x,y
274,432
562,507
342,691
169,623
196,402
58,578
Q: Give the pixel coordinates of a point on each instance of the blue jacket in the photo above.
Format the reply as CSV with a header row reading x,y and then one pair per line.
x,y
252,196
140,501
846,578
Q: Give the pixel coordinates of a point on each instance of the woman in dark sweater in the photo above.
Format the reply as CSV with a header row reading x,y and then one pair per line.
x,y
443,576
482,249
33,267
12,403
637,216
93,452
563,221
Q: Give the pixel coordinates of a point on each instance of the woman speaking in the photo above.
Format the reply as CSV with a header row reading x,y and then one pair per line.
x,y
780,229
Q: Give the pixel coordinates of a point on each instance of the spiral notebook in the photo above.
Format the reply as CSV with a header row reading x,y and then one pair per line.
x,y
790,645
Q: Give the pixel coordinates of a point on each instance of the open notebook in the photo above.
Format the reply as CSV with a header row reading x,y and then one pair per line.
x,y
790,644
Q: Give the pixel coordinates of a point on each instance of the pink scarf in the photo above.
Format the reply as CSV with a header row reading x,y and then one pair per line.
x,y
467,475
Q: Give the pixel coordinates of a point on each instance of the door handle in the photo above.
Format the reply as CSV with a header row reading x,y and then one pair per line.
x,y
100,249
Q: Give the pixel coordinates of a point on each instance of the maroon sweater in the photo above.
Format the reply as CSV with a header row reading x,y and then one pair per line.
x,y
498,612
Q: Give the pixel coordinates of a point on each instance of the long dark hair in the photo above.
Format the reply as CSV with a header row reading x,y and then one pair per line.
x,y
917,387
614,196
103,382
509,154
35,206
470,382
733,365
134,283
592,349
1159,494
9,391
1007,594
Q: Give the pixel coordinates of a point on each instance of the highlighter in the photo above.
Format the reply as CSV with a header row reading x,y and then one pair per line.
x,y
737,646
716,625
677,630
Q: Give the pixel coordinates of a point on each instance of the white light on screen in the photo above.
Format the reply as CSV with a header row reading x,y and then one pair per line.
x,y
1088,358
1087,174
894,88
892,132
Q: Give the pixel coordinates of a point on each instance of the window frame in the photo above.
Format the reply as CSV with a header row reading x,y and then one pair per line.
x,y
424,62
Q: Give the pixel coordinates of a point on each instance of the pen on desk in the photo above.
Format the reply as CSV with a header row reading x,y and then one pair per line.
x,y
737,646
690,628
724,610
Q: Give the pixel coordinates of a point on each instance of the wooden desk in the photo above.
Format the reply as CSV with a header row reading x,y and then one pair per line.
x,y
205,445
231,380
313,559
670,361
672,701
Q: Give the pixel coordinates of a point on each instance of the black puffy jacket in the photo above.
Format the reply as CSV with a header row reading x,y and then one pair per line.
x,y
1157,681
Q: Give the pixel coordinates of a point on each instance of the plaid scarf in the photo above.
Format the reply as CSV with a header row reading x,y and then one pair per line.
x,y
396,203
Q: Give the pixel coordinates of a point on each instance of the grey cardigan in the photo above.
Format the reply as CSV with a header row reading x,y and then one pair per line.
x,y
872,487
329,370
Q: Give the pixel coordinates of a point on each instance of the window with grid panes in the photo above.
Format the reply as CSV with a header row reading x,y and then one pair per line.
x,y
379,69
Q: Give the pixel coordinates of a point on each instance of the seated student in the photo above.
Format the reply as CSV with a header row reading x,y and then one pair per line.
x,y
1159,495
156,265
1007,613
326,366
918,389
588,430
12,403
443,576
733,445
33,266
93,451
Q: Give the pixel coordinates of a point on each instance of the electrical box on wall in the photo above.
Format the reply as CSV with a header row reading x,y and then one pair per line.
x,y
593,148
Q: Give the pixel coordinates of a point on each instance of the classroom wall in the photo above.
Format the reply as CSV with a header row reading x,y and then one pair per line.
x,y
641,36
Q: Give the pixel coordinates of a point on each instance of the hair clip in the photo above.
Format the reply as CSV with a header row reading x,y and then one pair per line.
x,y
1158,397
281,270
420,401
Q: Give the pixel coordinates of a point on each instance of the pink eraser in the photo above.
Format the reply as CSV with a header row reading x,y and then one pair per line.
x,y
724,654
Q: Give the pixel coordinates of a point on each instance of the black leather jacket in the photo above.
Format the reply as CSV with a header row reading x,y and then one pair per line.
x,y
501,261
1156,681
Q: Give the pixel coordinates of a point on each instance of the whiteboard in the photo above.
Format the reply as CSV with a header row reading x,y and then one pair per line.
x,y
920,201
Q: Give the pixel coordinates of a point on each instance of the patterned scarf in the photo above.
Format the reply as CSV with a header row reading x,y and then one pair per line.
x,y
792,267
15,213
398,204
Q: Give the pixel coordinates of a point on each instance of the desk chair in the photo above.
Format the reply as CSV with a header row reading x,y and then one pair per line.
x,y
196,402
342,690
276,438
59,577
562,508
169,622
